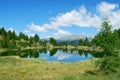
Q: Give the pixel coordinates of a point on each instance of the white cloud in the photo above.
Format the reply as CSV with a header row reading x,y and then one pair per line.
x,y
83,33
26,31
37,28
115,19
11,29
110,11
61,33
50,26
48,37
83,18
106,9
80,18
31,34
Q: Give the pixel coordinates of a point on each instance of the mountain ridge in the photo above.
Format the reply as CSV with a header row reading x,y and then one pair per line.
x,y
71,38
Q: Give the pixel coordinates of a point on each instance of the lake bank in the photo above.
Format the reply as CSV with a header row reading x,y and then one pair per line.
x,y
14,68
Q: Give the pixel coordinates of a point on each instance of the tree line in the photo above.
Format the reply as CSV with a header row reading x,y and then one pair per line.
x,y
9,39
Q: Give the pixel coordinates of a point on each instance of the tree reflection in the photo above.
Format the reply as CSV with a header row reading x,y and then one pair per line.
x,y
36,53
53,52
80,52
8,53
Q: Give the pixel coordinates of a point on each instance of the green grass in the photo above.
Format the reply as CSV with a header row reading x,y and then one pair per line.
x,y
15,68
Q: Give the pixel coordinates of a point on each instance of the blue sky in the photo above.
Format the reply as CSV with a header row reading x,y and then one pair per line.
x,y
57,18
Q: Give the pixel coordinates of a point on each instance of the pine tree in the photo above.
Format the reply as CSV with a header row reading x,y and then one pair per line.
x,y
81,42
53,41
105,40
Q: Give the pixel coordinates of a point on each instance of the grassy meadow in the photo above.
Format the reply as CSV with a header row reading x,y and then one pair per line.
x,y
15,68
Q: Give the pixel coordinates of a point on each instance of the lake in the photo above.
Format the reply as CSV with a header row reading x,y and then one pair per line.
x,y
60,55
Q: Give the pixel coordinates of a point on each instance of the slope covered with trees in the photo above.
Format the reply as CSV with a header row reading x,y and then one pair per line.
x,y
9,39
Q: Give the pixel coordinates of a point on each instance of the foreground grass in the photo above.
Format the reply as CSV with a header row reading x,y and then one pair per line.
x,y
15,68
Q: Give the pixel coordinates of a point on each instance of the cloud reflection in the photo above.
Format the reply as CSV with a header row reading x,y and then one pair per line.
x,y
61,56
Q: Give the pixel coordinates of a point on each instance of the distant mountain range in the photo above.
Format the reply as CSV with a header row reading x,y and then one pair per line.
x,y
71,38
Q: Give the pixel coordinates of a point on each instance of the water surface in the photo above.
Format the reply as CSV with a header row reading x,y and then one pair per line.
x,y
61,55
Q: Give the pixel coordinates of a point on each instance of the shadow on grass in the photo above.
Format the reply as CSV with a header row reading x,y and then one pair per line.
x,y
91,72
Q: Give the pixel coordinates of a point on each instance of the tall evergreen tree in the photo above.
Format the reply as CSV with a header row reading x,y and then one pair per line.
x,y
36,38
105,40
81,42
53,41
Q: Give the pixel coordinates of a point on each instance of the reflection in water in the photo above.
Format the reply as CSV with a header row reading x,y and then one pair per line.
x,y
62,55
53,52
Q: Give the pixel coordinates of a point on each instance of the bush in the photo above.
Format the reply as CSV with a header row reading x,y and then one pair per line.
x,y
108,63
